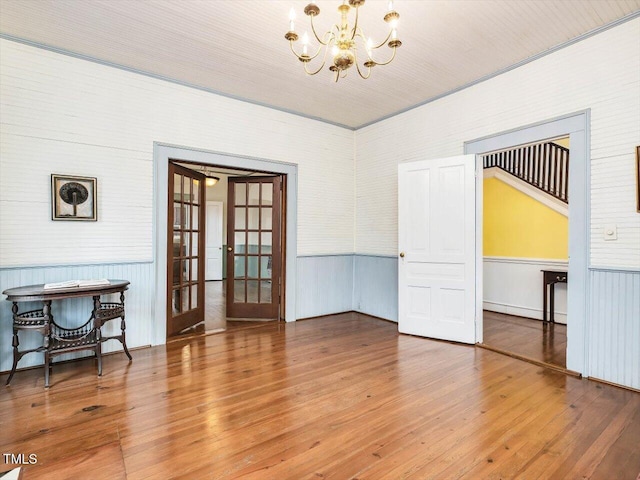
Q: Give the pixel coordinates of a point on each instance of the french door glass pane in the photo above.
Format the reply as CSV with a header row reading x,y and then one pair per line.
x,y
185,298
267,194
238,291
177,216
240,244
195,217
195,191
265,291
241,194
186,216
194,244
252,270
240,218
266,242
184,264
238,267
194,296
253,246
175,301
194,269
265,267
252,291
254,194
177,187
254,218
267,221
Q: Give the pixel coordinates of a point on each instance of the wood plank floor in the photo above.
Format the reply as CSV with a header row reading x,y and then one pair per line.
x,y
542,341
338,397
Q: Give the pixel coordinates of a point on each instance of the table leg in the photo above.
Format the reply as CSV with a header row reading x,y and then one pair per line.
x,y
46,311
15,342
552,287
544,299
123,327
97,327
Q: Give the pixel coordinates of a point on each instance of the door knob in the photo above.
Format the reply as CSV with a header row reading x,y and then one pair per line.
x,y
401,254
229,249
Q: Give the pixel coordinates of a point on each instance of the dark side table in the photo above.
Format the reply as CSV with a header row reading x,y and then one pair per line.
x,y
57,339
550,278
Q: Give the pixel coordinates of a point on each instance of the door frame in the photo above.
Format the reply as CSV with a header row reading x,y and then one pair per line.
x,y
577,127
162,152
207,203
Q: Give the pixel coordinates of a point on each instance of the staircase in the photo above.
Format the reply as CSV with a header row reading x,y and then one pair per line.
x,y
544,166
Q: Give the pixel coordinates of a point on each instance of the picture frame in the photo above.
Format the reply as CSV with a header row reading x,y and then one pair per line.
x,y
638,178
74,198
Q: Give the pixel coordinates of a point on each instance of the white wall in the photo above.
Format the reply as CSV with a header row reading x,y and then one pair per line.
x,y
514,286
60,114
601,73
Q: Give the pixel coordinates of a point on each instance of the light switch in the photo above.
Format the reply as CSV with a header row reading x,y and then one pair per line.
x,y
611,232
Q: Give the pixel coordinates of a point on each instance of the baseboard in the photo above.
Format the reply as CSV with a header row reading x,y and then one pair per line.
x,y
520,311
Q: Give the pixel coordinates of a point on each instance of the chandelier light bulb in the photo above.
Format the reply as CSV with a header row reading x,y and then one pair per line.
x,y
390,6
369,46
305,43
292,17
394,34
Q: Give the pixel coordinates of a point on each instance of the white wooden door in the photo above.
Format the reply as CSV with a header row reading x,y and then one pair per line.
x,y
436,230
213,247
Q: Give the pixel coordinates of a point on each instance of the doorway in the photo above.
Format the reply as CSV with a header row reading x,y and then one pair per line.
x,y
249,289
525,234
163,155
576,127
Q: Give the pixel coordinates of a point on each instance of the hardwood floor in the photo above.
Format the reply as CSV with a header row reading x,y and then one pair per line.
x,y
545,342
338,397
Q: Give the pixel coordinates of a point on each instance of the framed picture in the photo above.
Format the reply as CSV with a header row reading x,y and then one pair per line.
x,y
73,198
638,178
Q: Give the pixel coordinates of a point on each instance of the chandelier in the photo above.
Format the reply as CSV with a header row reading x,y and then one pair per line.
x,y
343,41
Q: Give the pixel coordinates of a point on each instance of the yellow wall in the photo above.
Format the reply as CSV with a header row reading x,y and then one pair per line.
x,y
515,225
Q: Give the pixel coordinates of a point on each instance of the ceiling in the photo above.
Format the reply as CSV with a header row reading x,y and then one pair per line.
x,y
237,47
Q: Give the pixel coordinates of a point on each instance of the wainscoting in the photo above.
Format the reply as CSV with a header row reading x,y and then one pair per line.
x,y
614,326
375,286
73,312
338,283
514,286
324,285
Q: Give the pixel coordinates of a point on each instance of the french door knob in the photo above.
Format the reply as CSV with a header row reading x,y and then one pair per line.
x,y
401,254
229,249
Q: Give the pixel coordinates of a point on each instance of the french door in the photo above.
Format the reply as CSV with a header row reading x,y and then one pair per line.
x,y
185,249
254,257
436,237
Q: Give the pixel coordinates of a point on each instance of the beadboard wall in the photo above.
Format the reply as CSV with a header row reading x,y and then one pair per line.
x,y
600,73
614,326
61,114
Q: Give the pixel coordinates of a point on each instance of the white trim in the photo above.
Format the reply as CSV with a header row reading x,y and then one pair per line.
x,y
529,190
519,311
531,261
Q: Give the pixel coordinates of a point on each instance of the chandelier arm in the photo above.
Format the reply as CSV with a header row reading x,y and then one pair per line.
x,y
300,56
360,73
384,42
355,25
355,57
313,29
324,61
313,73
391,59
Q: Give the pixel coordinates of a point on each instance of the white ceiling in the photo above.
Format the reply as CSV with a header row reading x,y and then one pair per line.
x,y
237,47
